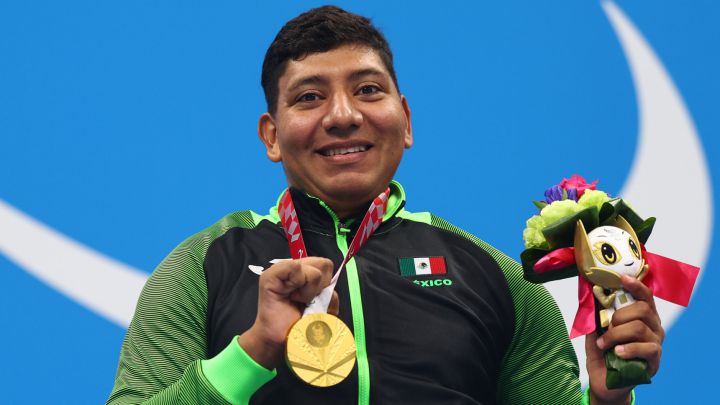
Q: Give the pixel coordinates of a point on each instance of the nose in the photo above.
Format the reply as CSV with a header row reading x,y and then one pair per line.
x,y
342,116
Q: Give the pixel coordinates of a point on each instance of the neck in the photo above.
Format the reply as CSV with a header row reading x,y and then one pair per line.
x,y
345,214
344,206
346,210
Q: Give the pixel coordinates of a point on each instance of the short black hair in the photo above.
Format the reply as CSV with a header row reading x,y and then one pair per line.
x,y
319,30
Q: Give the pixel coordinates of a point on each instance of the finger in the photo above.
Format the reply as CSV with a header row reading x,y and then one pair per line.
x,y
311,287
323,264
334,307
296,278
282,278
638,290
595,362
642,311
591,349
633,331
650,352
317,271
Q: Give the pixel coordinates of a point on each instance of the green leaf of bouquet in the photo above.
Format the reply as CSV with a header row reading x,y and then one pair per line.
x,y
645,229
622,208
528,257
607,213
562,233
624,372
540,204
617,206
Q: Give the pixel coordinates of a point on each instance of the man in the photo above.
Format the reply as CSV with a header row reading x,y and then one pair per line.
x,y
208,329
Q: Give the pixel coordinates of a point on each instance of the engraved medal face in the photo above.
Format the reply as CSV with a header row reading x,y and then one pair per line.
x,y
320,350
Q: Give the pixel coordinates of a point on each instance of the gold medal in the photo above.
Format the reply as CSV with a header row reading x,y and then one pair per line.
x,y
320,349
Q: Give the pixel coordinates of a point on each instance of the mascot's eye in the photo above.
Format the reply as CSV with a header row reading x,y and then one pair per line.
x,y
606,253
634,248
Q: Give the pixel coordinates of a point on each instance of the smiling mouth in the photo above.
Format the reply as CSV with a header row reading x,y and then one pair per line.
x,y
344,151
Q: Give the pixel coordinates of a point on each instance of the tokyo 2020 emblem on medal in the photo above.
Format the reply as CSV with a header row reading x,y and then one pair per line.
x,y
320,349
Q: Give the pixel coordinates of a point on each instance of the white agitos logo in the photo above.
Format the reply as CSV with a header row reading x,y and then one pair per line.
x,y
259,269
667,134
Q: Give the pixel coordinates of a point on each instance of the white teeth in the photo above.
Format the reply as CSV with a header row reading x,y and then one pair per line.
x,y
343,151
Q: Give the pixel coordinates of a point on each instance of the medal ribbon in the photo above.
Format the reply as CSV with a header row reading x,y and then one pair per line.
x,y
288,217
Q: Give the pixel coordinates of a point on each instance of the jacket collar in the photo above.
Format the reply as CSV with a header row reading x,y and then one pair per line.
x,y
315,215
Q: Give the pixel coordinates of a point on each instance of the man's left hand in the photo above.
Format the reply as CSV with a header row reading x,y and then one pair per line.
x,y
635,332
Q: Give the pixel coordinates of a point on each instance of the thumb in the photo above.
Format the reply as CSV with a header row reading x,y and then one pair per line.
x,y
595,361
334,307
592,351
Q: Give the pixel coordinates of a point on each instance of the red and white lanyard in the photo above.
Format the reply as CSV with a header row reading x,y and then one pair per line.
x,y
288,217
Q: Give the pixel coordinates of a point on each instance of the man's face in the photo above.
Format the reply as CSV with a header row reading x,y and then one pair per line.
x,y
340,126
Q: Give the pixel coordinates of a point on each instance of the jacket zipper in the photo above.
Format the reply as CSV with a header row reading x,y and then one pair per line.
x,y
341,231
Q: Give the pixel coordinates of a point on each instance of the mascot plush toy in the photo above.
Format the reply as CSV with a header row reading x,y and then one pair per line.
x,y
603,256
581,231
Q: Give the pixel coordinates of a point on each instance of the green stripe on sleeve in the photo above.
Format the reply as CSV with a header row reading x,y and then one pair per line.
x,y
167,338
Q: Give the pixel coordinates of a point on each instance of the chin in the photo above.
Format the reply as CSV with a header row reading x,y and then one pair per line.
x,y
354,189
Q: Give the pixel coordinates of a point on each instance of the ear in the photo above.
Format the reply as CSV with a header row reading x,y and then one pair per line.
x,y
583,252
623,224
267,131
408,123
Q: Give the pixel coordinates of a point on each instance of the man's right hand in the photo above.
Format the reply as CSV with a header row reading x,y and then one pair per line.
x,y
284,290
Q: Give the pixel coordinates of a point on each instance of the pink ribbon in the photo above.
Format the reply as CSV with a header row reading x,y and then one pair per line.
x,y
584,322
668,279
557,259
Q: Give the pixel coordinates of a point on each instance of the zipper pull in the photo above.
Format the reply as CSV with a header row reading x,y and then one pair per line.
x,y
342,228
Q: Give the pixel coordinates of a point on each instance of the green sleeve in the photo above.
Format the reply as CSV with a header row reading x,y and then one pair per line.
x,y
540,366
586,397
232,366
160,359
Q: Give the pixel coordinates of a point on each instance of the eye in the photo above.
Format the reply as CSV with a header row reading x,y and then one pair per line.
x,y
368,89
308,97
606,253
634,248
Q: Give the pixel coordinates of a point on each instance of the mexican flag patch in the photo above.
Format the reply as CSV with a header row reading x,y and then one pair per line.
x,y
418,266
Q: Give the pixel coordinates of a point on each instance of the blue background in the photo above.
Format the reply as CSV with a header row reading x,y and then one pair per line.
x,y
130,125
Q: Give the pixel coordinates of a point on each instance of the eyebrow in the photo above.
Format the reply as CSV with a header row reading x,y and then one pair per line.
x,y
317,79
359,74
314,79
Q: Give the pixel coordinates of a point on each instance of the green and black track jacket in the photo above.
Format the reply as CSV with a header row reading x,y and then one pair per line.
x,y
477,334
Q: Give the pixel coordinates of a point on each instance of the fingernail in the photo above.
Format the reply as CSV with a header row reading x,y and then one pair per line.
x,y
619,350
600,343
